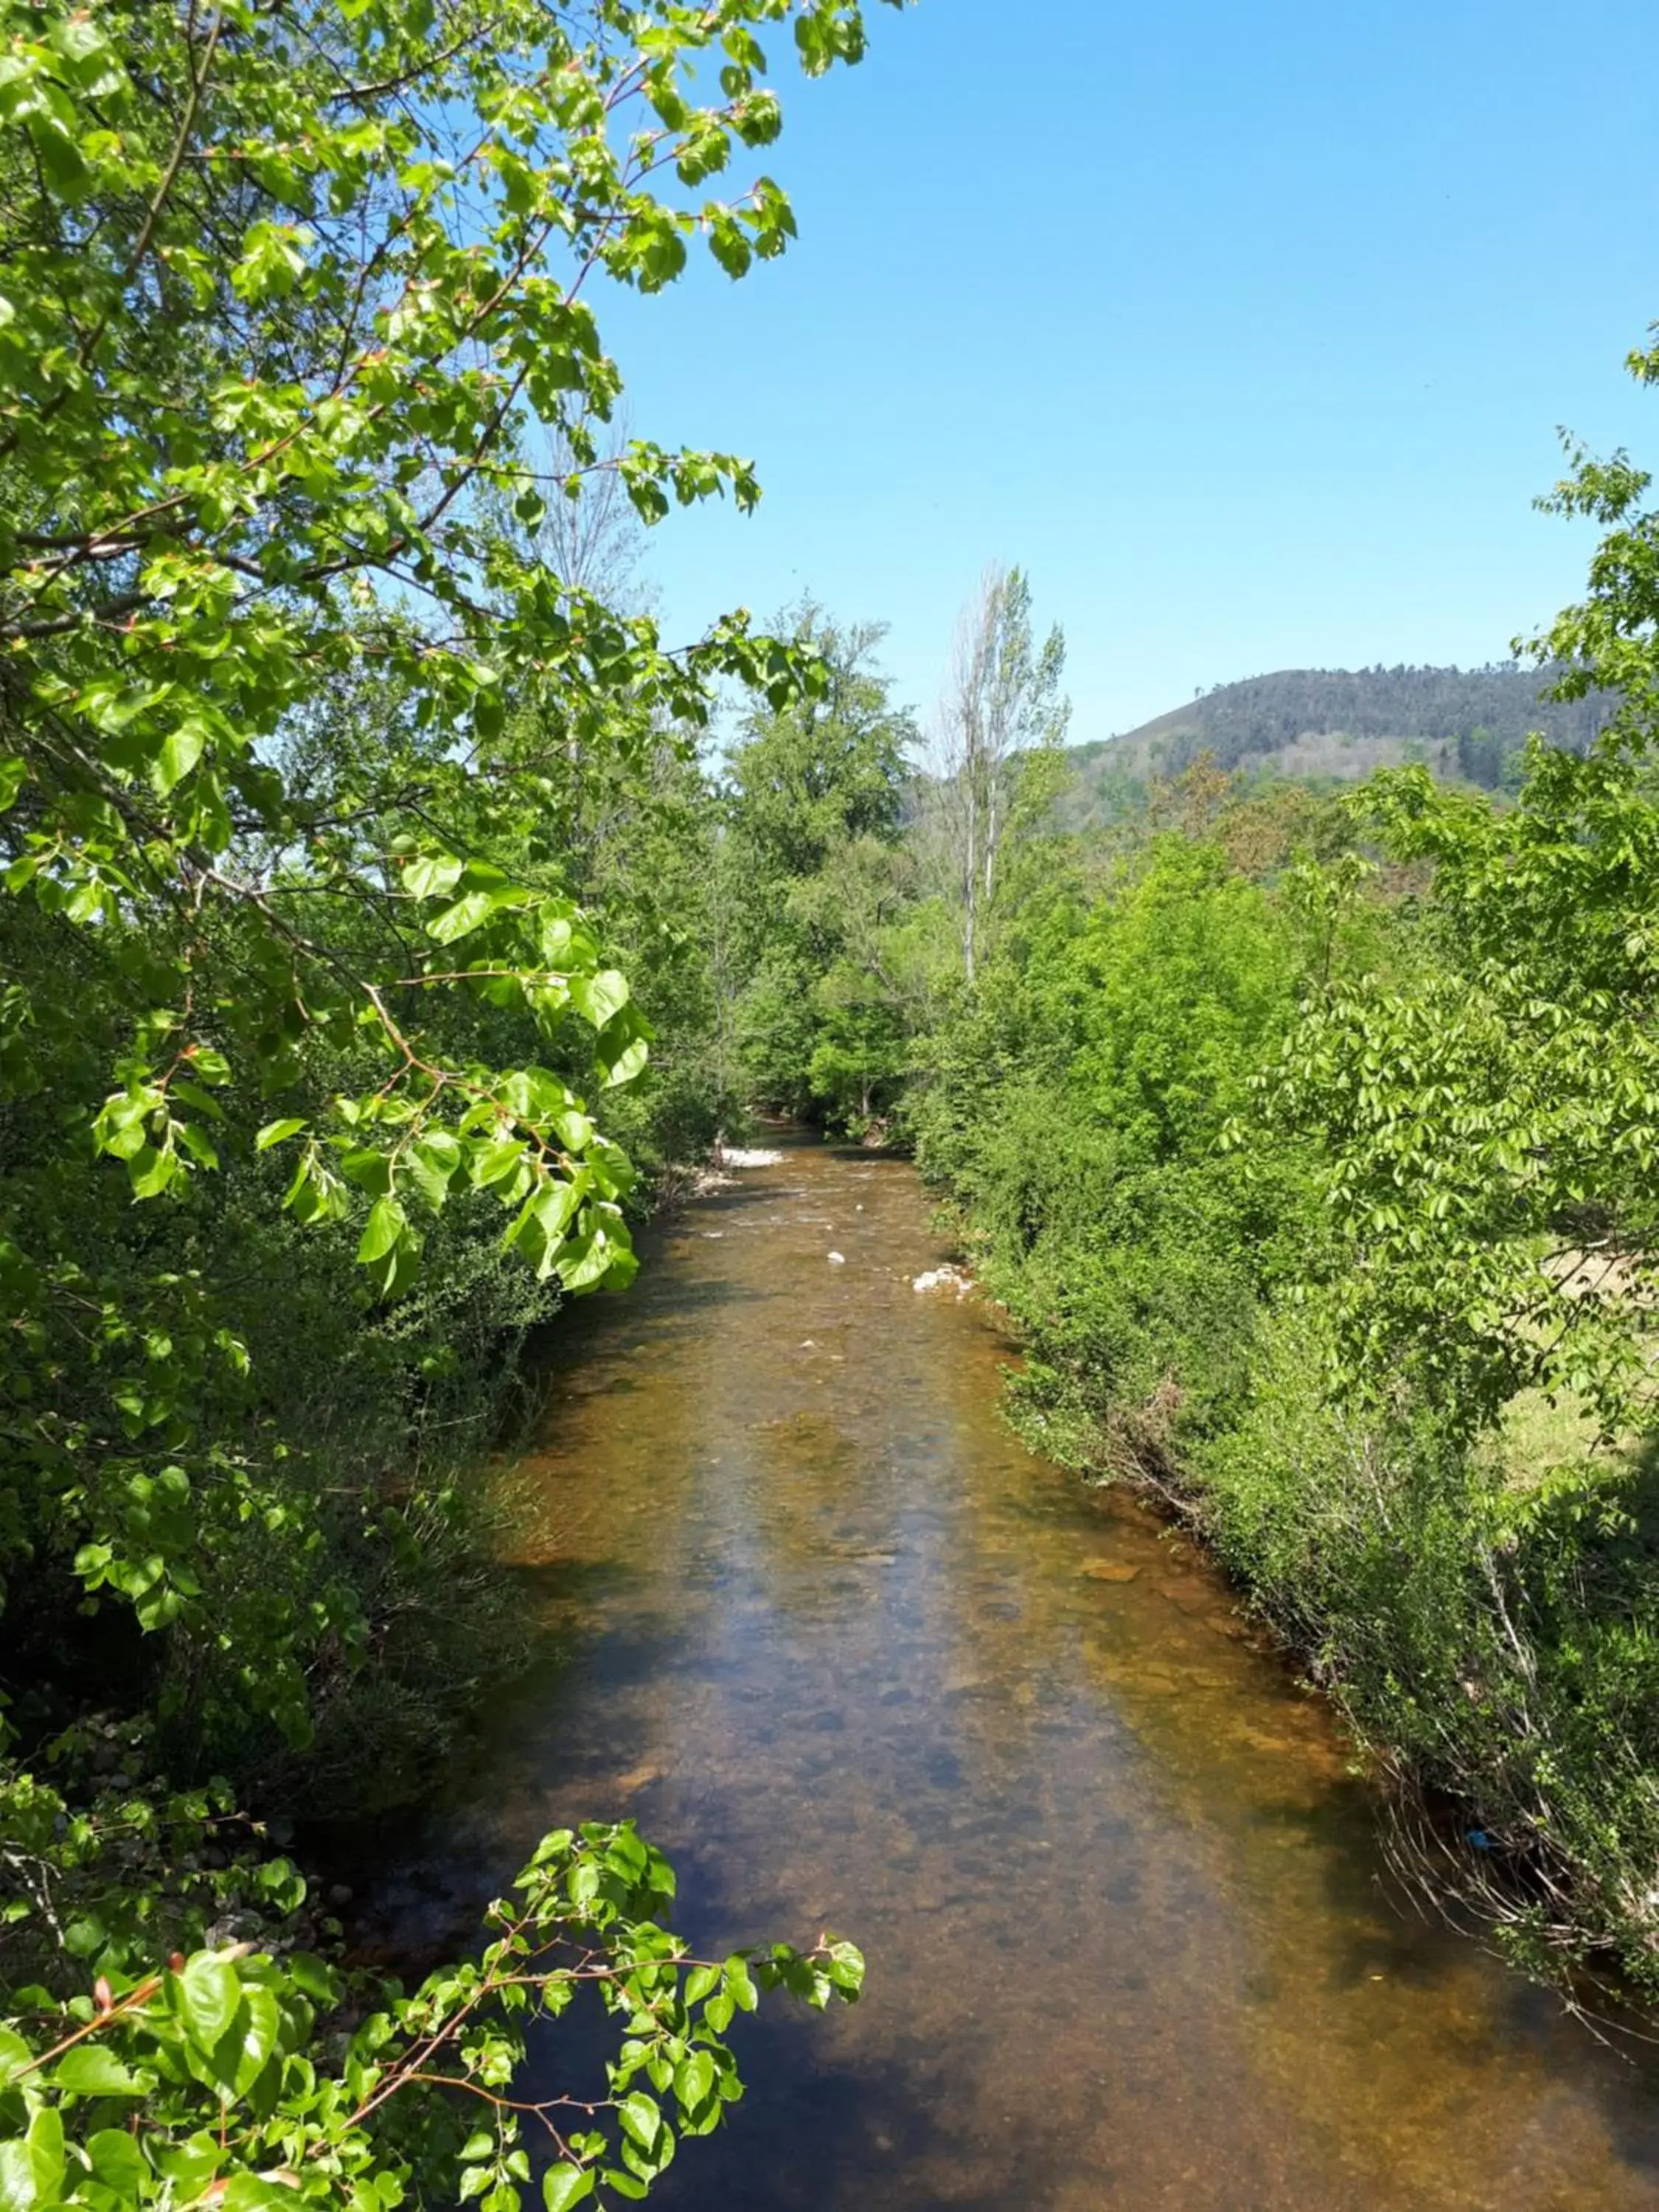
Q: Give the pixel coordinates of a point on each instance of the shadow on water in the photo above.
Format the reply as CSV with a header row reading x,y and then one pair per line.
x,y
854,1660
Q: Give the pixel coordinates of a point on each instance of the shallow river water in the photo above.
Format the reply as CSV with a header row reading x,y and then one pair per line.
x,y
854,1659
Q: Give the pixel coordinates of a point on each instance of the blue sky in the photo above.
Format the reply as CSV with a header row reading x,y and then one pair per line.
x,y
1245,330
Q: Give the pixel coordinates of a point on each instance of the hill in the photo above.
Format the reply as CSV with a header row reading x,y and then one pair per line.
x,y
1340,724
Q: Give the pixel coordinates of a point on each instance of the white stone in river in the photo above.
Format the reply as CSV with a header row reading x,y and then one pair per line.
x,y
837,1259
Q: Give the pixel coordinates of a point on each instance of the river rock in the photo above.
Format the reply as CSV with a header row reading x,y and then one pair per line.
x,y
1190,1594
638,1777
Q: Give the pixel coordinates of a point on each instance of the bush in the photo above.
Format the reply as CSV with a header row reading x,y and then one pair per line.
x,y
1185,1270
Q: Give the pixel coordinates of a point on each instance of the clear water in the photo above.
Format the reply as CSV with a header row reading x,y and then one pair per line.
x,y
854,1659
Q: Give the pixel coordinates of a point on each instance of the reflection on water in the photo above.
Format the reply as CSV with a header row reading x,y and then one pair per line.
x,y
854,1660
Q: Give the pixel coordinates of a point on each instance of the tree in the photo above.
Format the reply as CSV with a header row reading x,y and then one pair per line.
x,y
297,312
815,796
1492,1115
286,297
1003,699
809,776
276,320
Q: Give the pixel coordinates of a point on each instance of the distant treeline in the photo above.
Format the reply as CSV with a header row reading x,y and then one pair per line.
x,y
1500,704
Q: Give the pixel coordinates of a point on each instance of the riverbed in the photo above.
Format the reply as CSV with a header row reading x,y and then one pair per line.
x,y
854,1659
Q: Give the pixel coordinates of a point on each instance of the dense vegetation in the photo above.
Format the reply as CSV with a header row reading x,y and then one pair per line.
x,y
333,799
1310,1142
383,934
1309,1138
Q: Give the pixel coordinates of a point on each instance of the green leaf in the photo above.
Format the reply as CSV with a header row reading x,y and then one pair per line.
x,y
430,875
469,913
92,2070
17,2189
251,2192
846,1968
314,1978
275,1132
739,1984
565,2185
694,2081
497,1161
431,1162
474,907
181,749
622,1047
387,1223
196,1144
554,1205
369,1168
574,1131
271,263
118,2161
151,1170
642,2120
210,1991
260,2020
45,2143
597,998
89,63
194,1095
585,1262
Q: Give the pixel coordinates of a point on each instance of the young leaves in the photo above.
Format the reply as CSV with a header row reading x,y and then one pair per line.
x,y
247,2101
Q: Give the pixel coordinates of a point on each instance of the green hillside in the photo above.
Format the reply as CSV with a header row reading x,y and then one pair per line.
x,y
1340,724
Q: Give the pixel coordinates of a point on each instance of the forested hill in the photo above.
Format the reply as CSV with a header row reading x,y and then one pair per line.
x,y
1344,722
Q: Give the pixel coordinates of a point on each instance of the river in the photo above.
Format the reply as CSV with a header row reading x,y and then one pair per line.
x,y
853,1658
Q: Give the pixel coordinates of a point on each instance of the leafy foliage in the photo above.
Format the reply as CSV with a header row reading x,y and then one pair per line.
x,y
1320,1189
274,320
1078,1111
1494,1113
819,889
314,1018
250,2098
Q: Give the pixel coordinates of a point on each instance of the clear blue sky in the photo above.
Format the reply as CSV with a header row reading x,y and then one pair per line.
x,y
1244,329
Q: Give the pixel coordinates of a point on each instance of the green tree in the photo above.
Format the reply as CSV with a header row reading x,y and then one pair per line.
x,y
274,325
817,794
298,353
1493,1115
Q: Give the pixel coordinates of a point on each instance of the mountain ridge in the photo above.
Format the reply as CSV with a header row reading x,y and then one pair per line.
x,y
1343,723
